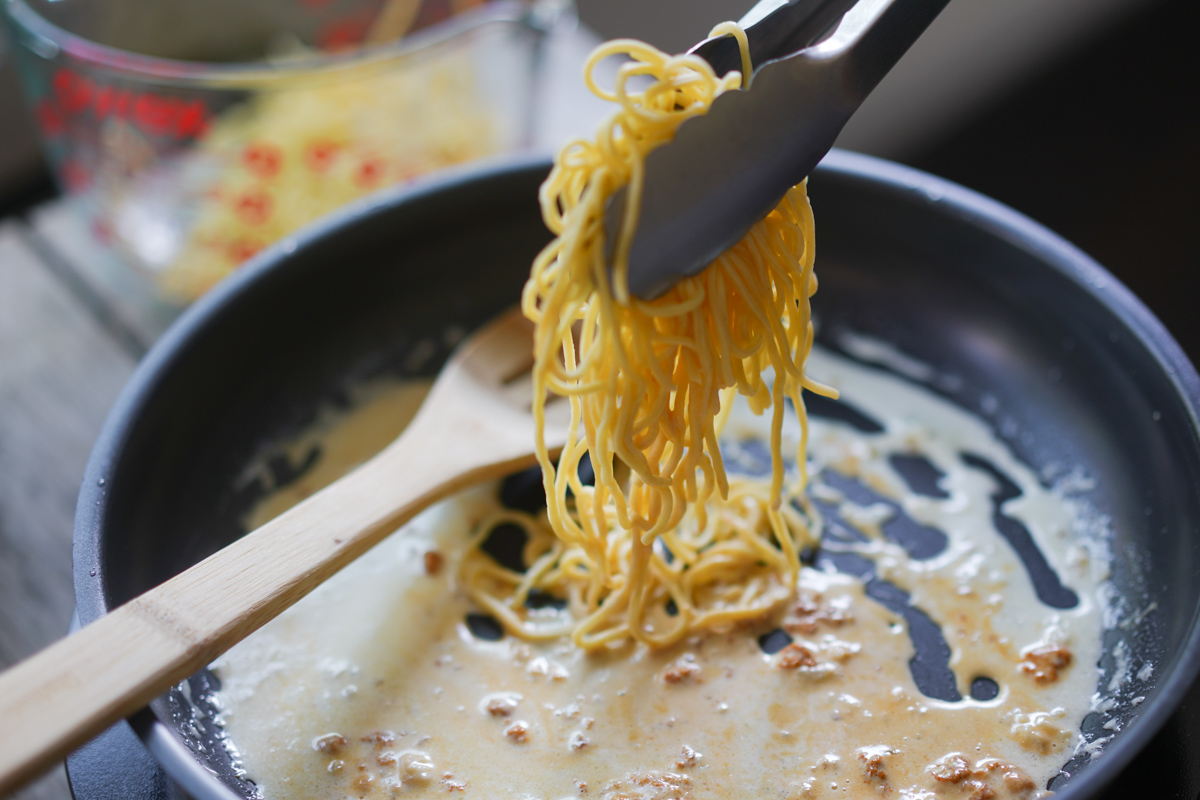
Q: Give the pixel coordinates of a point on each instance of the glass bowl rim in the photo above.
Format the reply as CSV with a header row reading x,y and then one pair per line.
x,y
34,32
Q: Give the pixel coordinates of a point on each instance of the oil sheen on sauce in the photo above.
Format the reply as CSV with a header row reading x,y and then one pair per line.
x,y
376,686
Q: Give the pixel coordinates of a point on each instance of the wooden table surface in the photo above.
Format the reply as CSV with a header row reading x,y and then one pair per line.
x,y
63,359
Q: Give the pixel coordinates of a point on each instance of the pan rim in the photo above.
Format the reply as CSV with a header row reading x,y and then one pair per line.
x,y
911,185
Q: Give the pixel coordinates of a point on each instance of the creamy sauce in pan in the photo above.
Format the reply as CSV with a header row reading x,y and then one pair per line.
x,y
375,686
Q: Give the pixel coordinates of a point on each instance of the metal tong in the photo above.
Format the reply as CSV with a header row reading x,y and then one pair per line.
x,y
815,62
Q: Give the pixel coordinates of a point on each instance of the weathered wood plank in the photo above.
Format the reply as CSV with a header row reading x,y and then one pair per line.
x,y
59,373
62,237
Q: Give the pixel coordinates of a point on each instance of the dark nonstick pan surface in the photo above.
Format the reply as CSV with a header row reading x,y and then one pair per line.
x,y
1068,367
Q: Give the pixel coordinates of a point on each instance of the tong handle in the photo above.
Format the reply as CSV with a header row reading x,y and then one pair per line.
x,y
774,29
727,169
873,36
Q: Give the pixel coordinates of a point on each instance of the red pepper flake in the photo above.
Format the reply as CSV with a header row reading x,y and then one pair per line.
x,y
242,250
49,118
263,159
369,172
112,102
153,114
319,156
191,120
253,206
73,91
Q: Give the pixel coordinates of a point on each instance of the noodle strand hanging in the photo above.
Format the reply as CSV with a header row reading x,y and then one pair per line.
x,y
664,543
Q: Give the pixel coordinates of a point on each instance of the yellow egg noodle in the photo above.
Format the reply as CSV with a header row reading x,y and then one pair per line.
x,y
647,382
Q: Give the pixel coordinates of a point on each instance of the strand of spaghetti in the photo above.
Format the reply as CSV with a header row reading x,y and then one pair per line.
x,y
649,385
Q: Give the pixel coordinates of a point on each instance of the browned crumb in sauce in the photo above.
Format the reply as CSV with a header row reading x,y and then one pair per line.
x,y
379,765
795,655
989,778
683,669
1043,663
1013,777
950,768
433,562
650,786
687,758
501,706
331,743
380,739
809,612
872,759
518,731
873,765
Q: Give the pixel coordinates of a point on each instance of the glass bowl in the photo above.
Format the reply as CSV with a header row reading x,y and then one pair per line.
x,y
195,134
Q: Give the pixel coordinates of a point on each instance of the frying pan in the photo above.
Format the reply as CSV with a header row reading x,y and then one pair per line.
x,y
1065,364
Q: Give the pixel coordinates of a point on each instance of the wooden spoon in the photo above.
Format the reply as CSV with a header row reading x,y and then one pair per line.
x,y
474,425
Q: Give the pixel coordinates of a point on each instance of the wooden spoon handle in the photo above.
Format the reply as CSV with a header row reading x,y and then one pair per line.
x,y
68,693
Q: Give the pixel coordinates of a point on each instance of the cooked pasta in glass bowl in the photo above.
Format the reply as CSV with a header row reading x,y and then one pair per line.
x,y
194,135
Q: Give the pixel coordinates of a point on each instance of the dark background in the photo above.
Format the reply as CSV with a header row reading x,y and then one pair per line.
x,y
1104,148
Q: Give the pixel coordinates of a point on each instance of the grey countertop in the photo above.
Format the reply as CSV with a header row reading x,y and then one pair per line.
x,y
60,370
